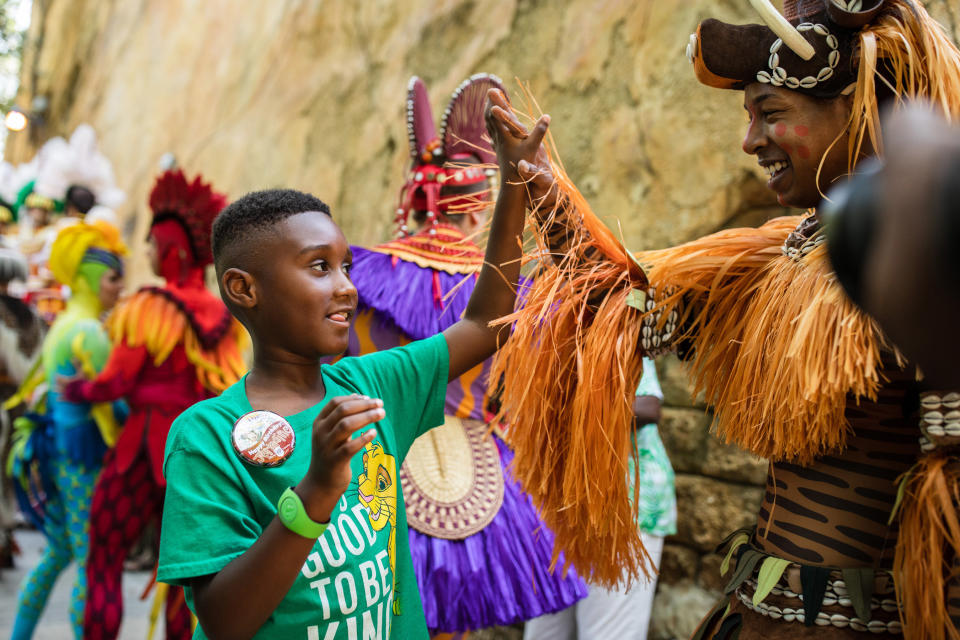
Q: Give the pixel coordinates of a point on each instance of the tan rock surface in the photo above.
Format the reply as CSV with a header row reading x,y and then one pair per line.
x,y
709,509
678,564
729,462
685,433
310,95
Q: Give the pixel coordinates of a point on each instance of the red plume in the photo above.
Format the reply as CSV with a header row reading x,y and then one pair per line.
x,y
193,204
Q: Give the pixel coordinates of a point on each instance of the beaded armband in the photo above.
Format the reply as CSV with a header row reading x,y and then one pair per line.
x,y
657,334
939,419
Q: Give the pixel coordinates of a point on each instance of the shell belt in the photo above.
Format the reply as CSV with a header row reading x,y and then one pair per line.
x,y
862,599
835,596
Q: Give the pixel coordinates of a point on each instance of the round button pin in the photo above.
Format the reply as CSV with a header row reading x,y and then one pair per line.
x,y
263,438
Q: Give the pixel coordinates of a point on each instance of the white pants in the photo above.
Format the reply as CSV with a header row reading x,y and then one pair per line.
x,y
603,614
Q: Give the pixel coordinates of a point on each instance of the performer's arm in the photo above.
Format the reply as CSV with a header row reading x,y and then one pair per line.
x,y
472,340
566,239
543,197
646,410
115,381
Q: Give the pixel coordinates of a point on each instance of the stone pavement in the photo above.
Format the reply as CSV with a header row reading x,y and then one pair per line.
x,y
55,623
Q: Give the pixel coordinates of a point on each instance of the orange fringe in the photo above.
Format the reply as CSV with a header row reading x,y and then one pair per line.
x,y
929,540
777,346
150,320
913,51
570,371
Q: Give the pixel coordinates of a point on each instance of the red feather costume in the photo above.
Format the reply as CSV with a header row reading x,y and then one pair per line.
x,y
173,347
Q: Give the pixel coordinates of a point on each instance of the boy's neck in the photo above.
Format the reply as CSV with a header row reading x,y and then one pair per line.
x,y
284,383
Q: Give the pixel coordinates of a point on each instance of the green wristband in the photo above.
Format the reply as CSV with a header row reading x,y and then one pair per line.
x,y
294,517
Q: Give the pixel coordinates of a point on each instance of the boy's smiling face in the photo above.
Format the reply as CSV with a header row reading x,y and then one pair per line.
x,y
304,299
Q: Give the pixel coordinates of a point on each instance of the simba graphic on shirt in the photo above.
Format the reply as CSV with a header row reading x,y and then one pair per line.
x,y
352,569
377,491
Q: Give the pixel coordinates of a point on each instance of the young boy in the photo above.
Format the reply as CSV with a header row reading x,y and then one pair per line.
x,y
275,527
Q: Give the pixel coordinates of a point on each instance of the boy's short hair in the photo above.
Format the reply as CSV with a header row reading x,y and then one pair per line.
x,y
244,219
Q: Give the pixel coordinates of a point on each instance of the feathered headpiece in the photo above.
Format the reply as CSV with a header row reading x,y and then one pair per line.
x,y
825,48
193,204
21,189
435,157
77,163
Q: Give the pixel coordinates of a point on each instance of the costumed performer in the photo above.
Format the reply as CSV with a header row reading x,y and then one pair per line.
x,y
85,257
21,334
480,552
173,346
794,371
71,178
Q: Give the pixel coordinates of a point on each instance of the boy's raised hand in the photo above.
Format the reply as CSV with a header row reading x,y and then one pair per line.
x,y
520,153
333,447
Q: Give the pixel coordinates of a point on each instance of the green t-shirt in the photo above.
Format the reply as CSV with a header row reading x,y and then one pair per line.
x,y
217,505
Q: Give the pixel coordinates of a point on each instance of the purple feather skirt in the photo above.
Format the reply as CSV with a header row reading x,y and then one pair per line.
x,y
498,576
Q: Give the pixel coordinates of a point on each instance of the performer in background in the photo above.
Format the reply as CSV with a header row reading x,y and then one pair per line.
x,y
173,346
21,334
72,177
796,373
85,257
480,553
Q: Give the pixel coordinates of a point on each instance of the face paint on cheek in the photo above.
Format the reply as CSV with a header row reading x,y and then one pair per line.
x,y
788,149
780,130
803,151
801,131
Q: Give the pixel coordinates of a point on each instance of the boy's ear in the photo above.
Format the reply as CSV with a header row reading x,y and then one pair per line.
x,y
239,288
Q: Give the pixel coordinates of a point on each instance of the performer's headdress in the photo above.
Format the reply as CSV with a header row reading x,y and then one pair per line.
x,y
825,48
21,190
447,158
183,214
28,198
81,252
77,171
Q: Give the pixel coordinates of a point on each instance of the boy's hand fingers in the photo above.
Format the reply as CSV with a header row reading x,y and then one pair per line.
x,y
348,406
350,448
539,130
508,120
333,404
347,426
527,170
499,98
540,183
539,176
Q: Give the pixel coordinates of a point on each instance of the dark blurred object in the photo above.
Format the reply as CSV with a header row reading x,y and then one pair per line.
x,y
893,233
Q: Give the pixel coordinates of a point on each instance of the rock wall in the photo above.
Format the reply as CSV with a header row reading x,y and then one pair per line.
x,y
719,489
309,94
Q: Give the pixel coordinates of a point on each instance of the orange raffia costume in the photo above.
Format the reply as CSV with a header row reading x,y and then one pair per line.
x,y
173,346
794,371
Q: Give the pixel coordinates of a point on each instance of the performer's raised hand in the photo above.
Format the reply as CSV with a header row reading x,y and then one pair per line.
x,y
521,153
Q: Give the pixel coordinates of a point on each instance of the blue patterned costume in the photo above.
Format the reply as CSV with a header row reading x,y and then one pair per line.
x,y
82,256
